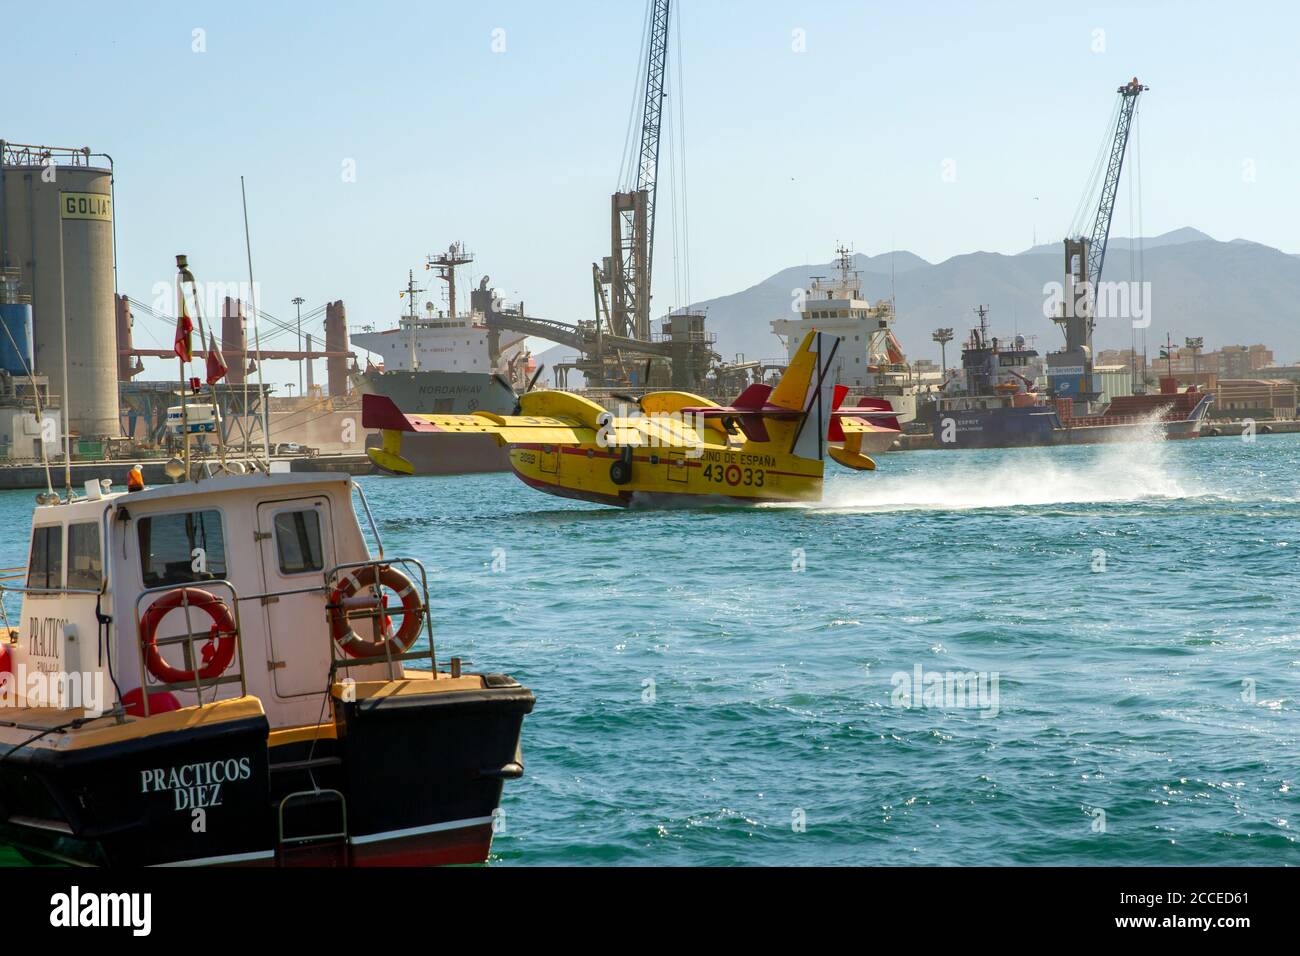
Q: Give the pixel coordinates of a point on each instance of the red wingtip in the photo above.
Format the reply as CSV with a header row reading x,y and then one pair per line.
x,y
841,392
380,411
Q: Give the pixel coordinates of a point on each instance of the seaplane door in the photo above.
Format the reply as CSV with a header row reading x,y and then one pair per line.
x,y
296,546
549,459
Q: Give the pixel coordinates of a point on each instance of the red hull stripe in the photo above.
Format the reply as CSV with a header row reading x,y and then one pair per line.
x,y
444,847
460,841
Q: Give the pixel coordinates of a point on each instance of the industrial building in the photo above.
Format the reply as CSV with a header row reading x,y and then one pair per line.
x,y
56,231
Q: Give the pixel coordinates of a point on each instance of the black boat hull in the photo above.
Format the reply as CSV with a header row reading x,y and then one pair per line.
x,y
405,777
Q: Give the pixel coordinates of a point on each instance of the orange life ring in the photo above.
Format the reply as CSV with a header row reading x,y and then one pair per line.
x,y
345,598
217,653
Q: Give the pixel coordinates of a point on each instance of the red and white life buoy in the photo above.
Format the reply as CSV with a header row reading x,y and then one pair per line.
x,y
345,598
217,653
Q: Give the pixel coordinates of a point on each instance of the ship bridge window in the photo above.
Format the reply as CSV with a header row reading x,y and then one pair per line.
x,y
297,540
178,548
45,566
85,566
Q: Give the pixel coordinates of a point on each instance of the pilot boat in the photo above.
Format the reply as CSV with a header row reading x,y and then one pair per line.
x,y
221,671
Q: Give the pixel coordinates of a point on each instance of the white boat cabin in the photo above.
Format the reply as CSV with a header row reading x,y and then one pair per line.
x,y
268,546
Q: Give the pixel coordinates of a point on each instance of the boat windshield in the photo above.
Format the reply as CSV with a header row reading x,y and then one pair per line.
x,y
180,548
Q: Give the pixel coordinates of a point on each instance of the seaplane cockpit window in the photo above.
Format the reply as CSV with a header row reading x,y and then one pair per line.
x,y
45,568
85,566
179,548
297,539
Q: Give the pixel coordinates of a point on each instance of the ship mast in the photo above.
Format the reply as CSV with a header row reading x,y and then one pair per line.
x,y
409,292
446,265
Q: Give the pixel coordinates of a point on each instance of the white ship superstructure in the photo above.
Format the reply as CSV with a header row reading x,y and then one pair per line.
x,y
442,343
870,361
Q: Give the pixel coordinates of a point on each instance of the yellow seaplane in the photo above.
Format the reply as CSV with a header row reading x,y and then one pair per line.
x,y
770,445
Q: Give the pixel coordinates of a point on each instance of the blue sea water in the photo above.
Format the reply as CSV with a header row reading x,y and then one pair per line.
x,y
725,685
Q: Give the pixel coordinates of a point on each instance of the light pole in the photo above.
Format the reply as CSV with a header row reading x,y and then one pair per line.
x,y
298,301
1196,344
943,337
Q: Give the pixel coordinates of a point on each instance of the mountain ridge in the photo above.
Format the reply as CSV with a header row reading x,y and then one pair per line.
x,y
1237,292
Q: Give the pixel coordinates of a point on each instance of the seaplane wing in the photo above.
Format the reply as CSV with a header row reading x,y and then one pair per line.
x,y
378,411
854,425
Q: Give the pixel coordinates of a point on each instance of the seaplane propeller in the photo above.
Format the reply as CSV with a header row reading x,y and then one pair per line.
x,y
645,383
528,388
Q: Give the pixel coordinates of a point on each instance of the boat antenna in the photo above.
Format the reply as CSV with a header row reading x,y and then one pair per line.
x,y
257,339
36,396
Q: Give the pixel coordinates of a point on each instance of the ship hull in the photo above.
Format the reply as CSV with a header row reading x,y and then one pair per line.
x,y
440,393
1036,426
398,778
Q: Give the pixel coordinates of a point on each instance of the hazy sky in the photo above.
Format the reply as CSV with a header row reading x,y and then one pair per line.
x,y
516,151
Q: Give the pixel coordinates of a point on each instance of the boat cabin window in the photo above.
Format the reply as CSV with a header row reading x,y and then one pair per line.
x,y
179,548
45,566
297,539
85,566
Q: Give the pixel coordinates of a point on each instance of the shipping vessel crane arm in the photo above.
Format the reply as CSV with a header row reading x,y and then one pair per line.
x,y
1129,94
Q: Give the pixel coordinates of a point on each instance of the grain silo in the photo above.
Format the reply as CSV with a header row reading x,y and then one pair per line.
x,y
56,227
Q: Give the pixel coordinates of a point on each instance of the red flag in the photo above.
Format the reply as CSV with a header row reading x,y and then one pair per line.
x,y
217,367
183,348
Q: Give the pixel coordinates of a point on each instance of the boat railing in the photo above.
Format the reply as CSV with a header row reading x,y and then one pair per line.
x,y
377,611
192,661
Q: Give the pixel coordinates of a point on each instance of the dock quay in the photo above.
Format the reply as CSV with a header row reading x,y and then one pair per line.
x,y
925,441
31,475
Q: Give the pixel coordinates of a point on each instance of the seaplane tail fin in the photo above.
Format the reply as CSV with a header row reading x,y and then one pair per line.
x,y
379,411
806,387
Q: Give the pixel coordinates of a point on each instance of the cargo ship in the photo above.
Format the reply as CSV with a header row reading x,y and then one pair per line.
x,y
996,403
441,363
870,362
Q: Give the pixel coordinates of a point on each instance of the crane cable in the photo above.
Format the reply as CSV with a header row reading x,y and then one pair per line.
x,y
1078,222
631,155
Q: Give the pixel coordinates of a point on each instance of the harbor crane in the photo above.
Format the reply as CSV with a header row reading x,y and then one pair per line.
x,y
1070,370
629,268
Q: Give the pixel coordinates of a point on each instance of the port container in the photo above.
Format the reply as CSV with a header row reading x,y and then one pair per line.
x,y
16,345
198,418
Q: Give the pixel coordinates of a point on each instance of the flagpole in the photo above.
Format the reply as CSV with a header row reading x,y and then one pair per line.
x,y
257,338
180,321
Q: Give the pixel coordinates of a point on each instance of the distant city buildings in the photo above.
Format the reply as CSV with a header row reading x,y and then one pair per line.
x,y
1245,379
1231,361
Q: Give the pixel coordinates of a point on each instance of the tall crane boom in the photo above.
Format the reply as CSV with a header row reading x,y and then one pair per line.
x,y
629,267
1070,370
651,113
1129,94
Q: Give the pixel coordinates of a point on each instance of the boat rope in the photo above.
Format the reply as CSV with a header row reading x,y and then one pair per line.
x,y
105,622
320,719
75,724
